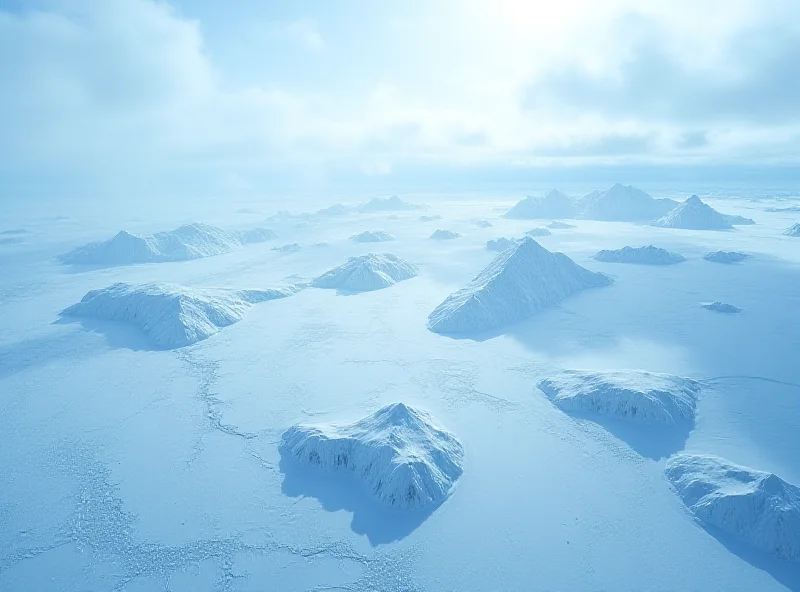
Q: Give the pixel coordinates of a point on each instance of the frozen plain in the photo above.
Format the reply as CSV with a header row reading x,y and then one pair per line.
x,y
129,468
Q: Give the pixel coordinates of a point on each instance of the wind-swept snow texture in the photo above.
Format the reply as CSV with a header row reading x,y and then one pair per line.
x,y
632,395
793,230
726,257
718,306
405,459
534,232
560,225
519,282
376,236
170,315
440,234
623,203
499,244
756,507
367,272
649,255
553,205
388,204
693,214
192,241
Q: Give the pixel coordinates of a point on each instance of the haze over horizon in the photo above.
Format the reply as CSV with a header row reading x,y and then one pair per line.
x,y
190,97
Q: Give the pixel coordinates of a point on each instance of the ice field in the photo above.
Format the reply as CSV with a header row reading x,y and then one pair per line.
x,y
144,452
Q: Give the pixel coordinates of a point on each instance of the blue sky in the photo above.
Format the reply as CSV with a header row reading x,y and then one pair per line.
x,y
236,96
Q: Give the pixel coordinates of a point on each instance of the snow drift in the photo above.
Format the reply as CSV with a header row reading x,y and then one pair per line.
x,y
499,244
367,272
170,315
440,234
725,257
694,214
554,204
793,230
756,507
519,282
376,236
625,204
718,306
649,255
632,395
404,458
536,232
192,241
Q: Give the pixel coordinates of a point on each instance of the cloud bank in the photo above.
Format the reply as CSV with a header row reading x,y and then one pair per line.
x,y
142,88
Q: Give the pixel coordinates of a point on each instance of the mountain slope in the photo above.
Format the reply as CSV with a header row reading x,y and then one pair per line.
x,y
519,282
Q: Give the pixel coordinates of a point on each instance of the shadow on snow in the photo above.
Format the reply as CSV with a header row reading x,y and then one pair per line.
x,y
784,572
118,335
342,491
651,441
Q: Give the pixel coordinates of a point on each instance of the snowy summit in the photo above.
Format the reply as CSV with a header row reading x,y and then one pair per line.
x,y
693,214
726,257
375,236
793,230
440,234
756,507
171,315
649,255
622,203
520,281
387,204
718,306
404,458
192,241
631,395
367,272
554,204
537,232
556,225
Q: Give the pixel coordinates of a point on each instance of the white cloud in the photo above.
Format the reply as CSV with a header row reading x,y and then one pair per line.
x,y
304,33
129,87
